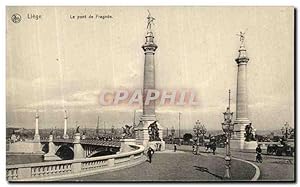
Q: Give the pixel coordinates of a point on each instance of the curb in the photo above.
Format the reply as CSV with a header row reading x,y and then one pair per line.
x,y
257,170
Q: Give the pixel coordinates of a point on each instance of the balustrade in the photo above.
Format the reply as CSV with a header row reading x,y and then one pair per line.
x,y
69,168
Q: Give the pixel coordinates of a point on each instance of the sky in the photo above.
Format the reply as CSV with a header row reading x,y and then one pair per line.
x,y
56,63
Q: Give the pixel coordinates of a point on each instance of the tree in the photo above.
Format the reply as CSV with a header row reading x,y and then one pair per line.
x,y
187,137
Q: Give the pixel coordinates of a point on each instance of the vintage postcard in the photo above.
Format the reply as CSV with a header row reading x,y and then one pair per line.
x,y
150,94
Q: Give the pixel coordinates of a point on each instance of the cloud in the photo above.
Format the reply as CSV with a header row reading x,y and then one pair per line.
x,y
84,96
78,99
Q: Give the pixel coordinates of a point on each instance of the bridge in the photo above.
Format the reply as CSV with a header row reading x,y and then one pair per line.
x,y
69,158
77,156
62,149
57,170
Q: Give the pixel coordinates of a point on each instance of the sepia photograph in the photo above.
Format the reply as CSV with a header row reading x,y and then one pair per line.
x,y
150,94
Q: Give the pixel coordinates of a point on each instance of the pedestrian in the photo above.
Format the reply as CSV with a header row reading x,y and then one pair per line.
x,y
150,153
175,147
214,147
258,154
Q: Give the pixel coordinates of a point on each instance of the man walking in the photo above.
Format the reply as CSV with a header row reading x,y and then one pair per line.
x,y
150,152
258,154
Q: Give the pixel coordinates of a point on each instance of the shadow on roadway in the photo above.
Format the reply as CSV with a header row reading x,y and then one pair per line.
x,y
204,169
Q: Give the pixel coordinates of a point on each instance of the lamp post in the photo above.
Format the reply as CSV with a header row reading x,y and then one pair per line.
x,y
227,127
134,113
201,129
173,134
286,130
179,114
197,132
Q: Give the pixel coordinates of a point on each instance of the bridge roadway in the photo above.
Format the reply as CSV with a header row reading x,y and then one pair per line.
x,y
182,166
176,166
94,142
273,168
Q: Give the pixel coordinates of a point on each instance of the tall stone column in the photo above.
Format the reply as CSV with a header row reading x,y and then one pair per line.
x,y
149,77
65,136
37,147
241,94
241,99
148,116
36,134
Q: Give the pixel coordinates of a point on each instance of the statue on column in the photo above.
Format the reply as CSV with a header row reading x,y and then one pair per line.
x,y
242,36
150,21
153,131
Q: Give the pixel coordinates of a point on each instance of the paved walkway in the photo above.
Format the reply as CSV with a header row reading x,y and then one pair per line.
x,y
275,168
178,166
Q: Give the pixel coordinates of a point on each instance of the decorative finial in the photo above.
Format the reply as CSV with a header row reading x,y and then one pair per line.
x,y
150,21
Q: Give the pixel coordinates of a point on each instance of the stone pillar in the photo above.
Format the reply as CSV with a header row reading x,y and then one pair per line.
x,y
149,77
148,117
37,147
241,95
36,134
238,138
78,149
65,136
51,155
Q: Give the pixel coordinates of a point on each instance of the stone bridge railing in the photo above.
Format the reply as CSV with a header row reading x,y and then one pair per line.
x,y
74,168
86,142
